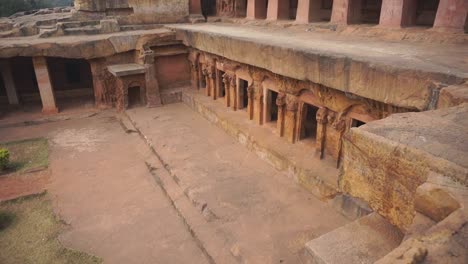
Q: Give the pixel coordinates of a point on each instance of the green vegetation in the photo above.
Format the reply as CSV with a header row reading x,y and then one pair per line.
x,y
27,154
30,231
9,7
4,158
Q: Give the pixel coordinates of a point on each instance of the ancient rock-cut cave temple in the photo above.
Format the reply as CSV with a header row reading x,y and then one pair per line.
x,y
363,102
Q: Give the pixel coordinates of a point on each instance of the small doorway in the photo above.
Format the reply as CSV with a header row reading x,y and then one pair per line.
x,y
272,108
243,94
309,122
134,96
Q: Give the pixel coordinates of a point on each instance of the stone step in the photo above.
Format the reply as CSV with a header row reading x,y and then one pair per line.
x,y
363,241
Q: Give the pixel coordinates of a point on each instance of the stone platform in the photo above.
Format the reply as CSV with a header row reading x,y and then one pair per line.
x,y
403,74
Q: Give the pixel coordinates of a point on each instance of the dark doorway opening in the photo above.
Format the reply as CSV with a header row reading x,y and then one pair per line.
x,y
426,11
72,82
370,11
309,122
357,123
208,8
292,9
273,106
2,87
244,93
134,98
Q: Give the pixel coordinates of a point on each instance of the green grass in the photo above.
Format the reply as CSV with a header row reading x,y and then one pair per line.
x,y
31,231
27,154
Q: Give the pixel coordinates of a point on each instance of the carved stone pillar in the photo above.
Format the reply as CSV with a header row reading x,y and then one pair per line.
x,y
290,118
194,74
233,90
250,94
340,126
258,103
212,81
281,103
321,130
153,95
227,89
207,81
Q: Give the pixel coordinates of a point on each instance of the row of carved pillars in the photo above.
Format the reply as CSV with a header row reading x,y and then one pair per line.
x,y
451,14
290,107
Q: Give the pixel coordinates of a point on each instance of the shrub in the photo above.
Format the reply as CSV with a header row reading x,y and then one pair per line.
x,y
4,158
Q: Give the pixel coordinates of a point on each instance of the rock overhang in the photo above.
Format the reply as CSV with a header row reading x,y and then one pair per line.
x,y
394,78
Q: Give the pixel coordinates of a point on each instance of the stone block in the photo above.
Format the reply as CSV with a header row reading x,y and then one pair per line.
x,y
434,202
453,95
363,241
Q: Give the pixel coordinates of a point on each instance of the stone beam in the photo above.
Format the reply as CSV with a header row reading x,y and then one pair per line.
x,y
451,15
398,13
9,83
278,9
46,89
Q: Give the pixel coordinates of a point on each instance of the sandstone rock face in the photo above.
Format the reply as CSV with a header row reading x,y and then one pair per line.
x,y
87,47
138,11
453,95
446,242
384,162
382,78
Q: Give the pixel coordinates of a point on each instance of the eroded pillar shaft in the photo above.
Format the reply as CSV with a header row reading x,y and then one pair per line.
x,y
9,83
278,9
44,82
397,13
451,15
346,11
308,11
256,9
290,118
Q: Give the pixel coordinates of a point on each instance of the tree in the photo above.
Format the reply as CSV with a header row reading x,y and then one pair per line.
x,y
9,7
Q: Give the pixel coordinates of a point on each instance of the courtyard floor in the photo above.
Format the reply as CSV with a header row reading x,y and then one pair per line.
x,y
117,208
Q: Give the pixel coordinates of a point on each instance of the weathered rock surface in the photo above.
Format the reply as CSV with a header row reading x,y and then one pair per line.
x,y
87,47
392,73
386,161
447,242
362,241
453,95
434,202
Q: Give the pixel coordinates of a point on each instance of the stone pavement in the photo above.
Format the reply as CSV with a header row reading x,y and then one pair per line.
x,y
101,187
262,214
